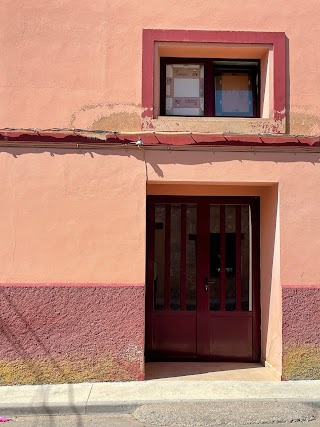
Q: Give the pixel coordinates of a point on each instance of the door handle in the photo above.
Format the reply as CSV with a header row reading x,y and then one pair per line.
x,y
208,283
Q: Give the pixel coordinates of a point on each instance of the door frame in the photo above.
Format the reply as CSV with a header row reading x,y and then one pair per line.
x,y
254,203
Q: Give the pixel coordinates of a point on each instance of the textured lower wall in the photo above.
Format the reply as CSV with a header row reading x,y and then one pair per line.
x,y
301,333
56,334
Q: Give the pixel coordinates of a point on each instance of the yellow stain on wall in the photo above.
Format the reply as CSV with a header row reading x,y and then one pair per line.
x,y
48,370
301,362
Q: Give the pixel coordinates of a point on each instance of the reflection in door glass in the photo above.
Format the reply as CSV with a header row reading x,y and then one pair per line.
x,y
175,257
245,260
159,257
214,279
191,257
230,258
237,273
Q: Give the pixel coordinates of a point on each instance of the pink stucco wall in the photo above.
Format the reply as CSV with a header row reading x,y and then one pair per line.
x,y
296,175
71,334
73,217
301,332
67,216
71,65
289,250
72,266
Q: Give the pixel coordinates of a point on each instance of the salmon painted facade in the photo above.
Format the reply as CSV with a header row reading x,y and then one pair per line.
x,y
159,187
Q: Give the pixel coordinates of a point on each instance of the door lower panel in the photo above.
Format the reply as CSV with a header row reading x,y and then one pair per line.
x,y
231,336
174,334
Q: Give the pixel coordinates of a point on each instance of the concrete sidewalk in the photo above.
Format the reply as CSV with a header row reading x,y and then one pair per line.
x,y
125,397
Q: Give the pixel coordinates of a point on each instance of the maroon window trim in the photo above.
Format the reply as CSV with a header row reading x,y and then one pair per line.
x,y
276,39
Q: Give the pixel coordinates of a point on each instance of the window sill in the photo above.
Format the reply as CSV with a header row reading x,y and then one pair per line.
x,y
217,124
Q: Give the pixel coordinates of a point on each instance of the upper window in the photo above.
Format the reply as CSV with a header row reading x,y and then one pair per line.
x,y
214,81
208,87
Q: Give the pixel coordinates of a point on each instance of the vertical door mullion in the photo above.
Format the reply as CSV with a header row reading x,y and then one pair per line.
x,y
203,268
238,258
167,258
183,258
223,257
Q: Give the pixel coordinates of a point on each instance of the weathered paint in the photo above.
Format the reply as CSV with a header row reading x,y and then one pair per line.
x,y
301,332
44,370
120,121
95,139
71,334
213,124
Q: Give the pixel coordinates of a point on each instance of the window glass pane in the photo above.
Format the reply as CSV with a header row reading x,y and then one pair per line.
x,y
234,94
175,257
185,90
159,257
191,257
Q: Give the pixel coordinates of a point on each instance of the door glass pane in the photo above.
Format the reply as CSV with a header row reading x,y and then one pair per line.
x,y
191,257
175,257
214,279
230,258
159,257
245,260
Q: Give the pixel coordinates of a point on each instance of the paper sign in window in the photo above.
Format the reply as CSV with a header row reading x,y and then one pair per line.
x,y
184,85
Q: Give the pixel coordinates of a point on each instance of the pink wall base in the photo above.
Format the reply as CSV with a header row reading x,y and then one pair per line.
x,y
71,334
301,332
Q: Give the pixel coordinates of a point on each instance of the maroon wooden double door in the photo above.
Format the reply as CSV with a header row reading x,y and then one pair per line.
x,y
202,296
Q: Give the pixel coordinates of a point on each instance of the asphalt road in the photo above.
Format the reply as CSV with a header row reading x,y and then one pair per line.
x,y
187,414
104,420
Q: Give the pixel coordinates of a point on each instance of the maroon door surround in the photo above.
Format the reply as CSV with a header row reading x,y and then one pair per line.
x,y
202,294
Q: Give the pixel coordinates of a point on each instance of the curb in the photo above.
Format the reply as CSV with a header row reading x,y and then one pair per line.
x,y
119,408
41,409
128,408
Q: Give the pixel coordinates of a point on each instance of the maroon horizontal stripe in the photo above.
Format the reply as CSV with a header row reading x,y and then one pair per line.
x,y
313,286
114,285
